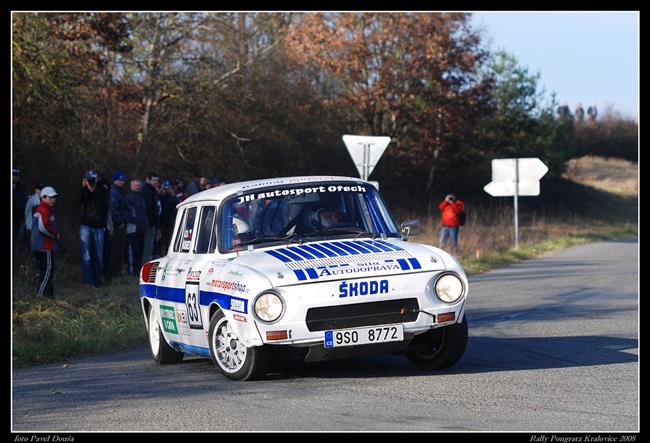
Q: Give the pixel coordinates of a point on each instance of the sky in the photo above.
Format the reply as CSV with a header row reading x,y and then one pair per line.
x,y
584,57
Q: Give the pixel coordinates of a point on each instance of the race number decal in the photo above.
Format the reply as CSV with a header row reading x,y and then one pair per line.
x,y
194,318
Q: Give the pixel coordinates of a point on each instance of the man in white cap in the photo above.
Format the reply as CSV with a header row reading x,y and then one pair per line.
x,y
45,236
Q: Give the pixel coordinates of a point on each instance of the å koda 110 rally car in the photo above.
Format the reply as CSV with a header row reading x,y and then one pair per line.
x,y
312,268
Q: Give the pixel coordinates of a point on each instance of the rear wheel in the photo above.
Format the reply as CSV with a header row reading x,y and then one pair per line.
x,y
439,348
234,359
162,353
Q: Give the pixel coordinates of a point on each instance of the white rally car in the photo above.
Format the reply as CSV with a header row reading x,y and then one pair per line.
x,y
312,268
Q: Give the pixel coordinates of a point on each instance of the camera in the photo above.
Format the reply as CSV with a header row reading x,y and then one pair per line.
x,y
91,177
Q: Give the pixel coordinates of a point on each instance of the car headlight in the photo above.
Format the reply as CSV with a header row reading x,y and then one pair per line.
x,y
449,288
268,307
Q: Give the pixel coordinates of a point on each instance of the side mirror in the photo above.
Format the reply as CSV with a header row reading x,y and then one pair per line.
x,y
409,227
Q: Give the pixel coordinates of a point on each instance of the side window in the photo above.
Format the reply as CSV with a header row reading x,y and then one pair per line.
x,y
179,233
186,231
206,231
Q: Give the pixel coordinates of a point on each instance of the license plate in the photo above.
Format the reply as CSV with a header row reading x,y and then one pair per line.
x,y
363,336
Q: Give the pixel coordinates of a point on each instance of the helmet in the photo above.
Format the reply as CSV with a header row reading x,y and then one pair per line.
x,y
239,225
321,217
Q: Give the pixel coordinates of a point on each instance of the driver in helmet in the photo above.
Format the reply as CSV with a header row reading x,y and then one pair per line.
x,y
241,230
323,217
329,217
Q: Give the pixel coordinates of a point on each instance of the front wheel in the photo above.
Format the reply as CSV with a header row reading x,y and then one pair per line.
x,y
235,360
439,348
161,351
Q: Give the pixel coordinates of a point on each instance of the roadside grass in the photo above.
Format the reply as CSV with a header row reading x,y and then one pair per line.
x,y
80,320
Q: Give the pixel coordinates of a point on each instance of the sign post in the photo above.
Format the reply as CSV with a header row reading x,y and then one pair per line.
x,y
365,151
515,177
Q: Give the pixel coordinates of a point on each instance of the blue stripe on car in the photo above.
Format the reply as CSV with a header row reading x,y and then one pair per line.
x,y
312,273
415,263
377,245
196,350
357,247
403,264
300,274
390,245
312,250
279,256
177,295
290,254
324,250
301,253
345,248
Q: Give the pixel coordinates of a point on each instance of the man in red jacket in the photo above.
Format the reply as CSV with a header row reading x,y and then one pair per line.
x,y
450,208
45,238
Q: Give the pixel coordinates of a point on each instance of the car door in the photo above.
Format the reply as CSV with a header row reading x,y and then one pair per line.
x,y
174,291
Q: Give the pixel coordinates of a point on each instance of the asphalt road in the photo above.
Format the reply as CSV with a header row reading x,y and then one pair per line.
x,y
553,347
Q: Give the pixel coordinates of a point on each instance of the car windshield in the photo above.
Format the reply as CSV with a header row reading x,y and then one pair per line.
x,y
302,213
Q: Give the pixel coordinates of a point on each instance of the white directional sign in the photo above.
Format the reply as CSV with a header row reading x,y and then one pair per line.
x,y
365,151
507,189
504,173
512,177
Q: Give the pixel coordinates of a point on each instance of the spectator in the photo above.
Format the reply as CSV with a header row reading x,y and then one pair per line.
x,y
563,110
94,198
592,112
204,183
195,185
168,202
32,203
18,214
44,241
180,190
150,196
580,112
137,224
450,208
216,182
116,238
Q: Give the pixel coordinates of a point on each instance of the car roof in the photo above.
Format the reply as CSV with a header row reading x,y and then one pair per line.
x,y
221,192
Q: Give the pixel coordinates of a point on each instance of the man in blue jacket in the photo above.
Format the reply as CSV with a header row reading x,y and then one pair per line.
x,y
137,223
116,235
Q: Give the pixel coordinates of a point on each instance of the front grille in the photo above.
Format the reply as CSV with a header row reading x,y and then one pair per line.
x,y
362,314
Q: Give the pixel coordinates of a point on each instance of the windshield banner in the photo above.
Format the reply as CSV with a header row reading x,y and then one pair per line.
x,y
293,193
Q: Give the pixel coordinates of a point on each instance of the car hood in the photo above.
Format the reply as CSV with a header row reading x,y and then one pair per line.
x,y
321,261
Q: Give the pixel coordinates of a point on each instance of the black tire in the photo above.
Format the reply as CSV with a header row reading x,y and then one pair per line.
x,y
439,348
252,366
162,353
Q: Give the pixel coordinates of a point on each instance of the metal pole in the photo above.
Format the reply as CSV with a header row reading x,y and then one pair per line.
x,y
516,203
366,160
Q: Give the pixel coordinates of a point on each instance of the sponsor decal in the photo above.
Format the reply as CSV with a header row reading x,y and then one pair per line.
x,y
237,305
235,273
193,275
297,192
168,319
371,287
181,317
210,271
181,320
239,318
230,286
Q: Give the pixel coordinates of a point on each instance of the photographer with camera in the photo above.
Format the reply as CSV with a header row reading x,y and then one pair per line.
x,y
94,198
451,209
